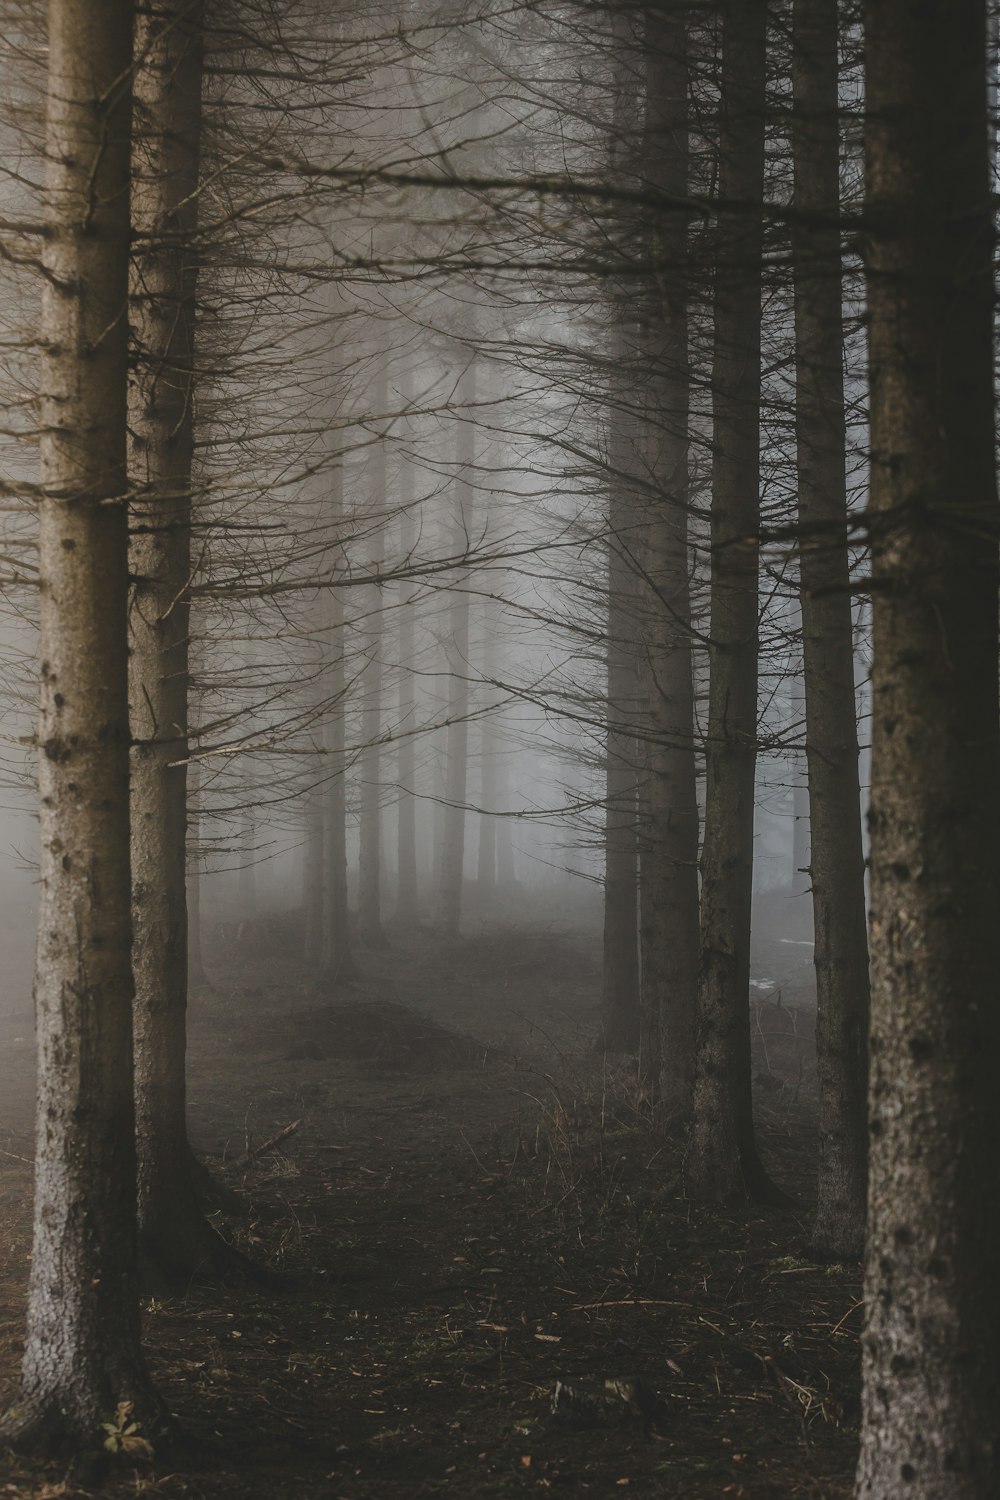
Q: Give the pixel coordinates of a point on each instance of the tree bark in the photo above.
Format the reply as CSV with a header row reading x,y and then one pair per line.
x,y
489,751
620,987
931,1375
82,1355
723,1164
407,882
195,949
313,870
177,1241
370,852
337,963
456,769
669,852
833,812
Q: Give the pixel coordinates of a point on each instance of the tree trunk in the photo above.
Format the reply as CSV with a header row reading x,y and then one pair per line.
x,y
195,950
833,810
620,988
669,856
337,963
313,865
457,762
486,861
370,852
506,865
407,883
723,1163
931,1375
82,1354
247,883
177,1241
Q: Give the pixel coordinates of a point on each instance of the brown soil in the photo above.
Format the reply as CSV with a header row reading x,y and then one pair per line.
x,y
475,1207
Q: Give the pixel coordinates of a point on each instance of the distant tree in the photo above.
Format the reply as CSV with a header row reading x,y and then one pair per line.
x,y
370,853
452,870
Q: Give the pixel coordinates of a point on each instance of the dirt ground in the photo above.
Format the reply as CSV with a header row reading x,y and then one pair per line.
x,y
475,1211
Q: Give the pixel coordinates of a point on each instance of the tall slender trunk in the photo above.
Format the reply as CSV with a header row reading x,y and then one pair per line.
x,y
407,882
195,947
370,851
313,871
82,1354
486,860
337,958
722,1158
165,165
931,1376
669,851
506,862
247,881
456,769
620,986
833,821
800,880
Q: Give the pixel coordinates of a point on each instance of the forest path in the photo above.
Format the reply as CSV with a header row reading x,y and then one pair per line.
x,y
473,1208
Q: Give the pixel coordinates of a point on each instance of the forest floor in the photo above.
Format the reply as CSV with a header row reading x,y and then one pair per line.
x,y
473,1208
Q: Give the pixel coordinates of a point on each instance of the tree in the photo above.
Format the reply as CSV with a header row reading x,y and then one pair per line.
x,y
370,850
338,962
931,1377
82,1356
669,857
452,872
723,1162
836,859
176,1238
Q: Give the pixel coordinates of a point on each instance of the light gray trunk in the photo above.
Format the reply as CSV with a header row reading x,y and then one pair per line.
x,y
407,882
489,750
370,850
337,959
456,769
313,870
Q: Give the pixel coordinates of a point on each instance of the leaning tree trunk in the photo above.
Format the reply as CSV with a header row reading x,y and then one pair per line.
x,y
456,769
668,881
722,1159
836,858
931,1374
82,1355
